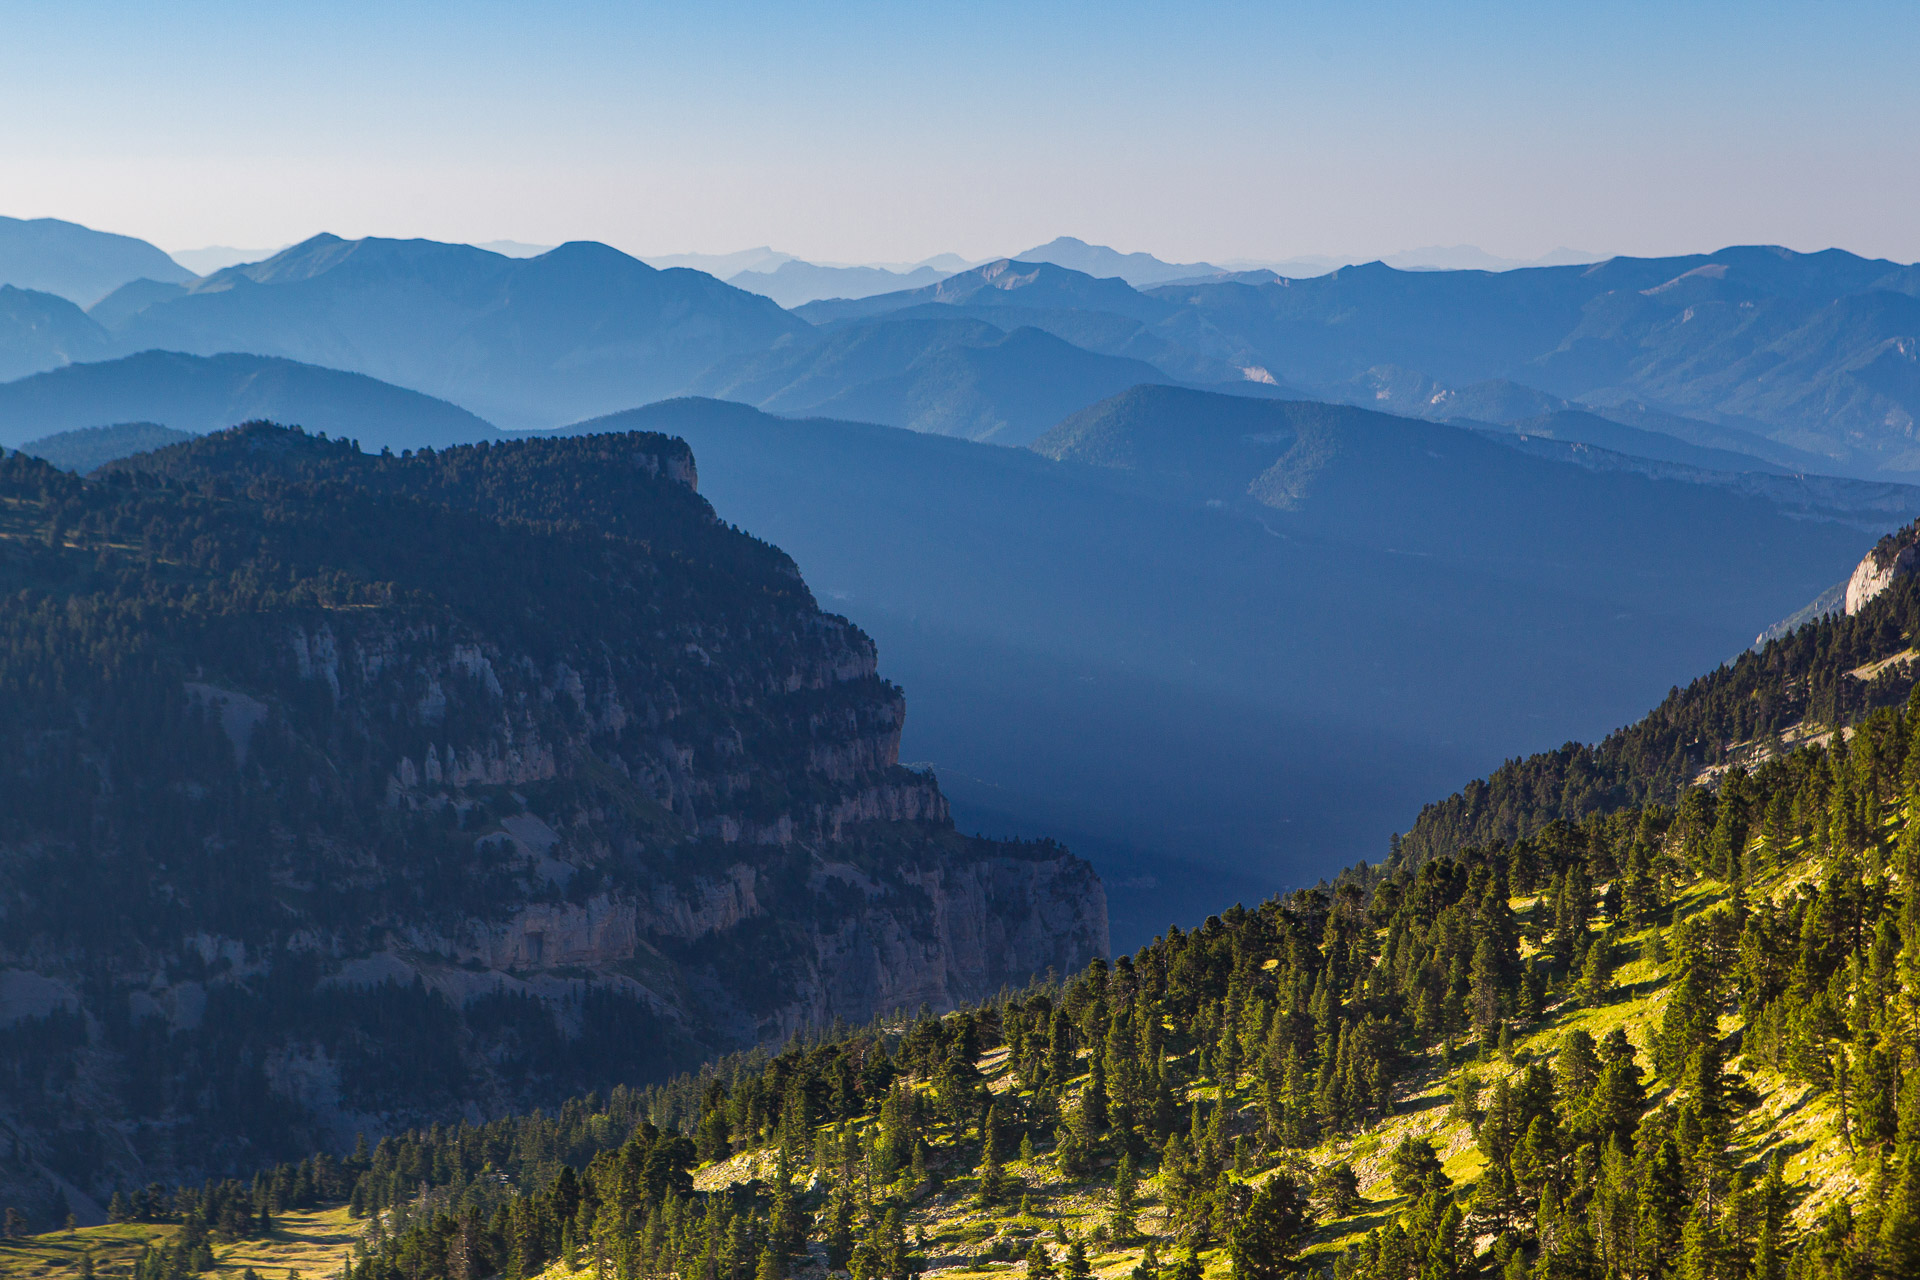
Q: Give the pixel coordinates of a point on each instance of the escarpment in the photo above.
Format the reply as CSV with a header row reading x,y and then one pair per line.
x,y
345,792
1895,556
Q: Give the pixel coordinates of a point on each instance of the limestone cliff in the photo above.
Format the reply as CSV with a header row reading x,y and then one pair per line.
x,y
349,792
1894,556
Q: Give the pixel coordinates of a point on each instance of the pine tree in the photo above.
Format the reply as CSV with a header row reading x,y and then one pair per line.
x,y
1265,1242
1414,1166
1121,1227
1596,974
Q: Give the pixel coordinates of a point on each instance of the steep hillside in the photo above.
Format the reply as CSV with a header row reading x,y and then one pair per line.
x,y
579,330
199,394
78,263
340,791
1579,427
1674,1042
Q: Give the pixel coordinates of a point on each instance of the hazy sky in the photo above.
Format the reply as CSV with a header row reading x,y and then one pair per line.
x,y
889,132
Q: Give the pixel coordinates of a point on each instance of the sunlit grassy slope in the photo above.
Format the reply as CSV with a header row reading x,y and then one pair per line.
x,y
315,1244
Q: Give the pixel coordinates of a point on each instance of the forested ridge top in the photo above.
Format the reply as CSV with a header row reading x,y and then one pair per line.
x,y
1828,672
343,791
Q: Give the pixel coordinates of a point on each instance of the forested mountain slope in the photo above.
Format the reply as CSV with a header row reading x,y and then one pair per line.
x,y
341,790
1667,1042
1832,671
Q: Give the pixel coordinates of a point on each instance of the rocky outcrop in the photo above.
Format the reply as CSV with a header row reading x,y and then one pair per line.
x,y
1895,556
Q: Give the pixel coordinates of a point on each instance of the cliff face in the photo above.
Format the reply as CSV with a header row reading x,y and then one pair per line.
x,y
1894,556
349,792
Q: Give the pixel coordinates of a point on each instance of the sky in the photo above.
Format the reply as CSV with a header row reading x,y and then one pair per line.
x,y
891,132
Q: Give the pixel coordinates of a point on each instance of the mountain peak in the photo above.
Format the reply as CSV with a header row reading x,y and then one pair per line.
x,y
1102,262
78,263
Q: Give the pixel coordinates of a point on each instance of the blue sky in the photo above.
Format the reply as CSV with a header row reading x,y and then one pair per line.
x,y
860,132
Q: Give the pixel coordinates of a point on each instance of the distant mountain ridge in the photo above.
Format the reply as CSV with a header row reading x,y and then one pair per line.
x,y
1813,351
794,283
44,331
1106,316
85,448
1809,362
199,394
78,263
523,341
1138,269
956,377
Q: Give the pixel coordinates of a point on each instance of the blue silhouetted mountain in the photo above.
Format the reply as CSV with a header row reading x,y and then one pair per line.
x,y
1818,352
1107,316
956,377
1214,695
43,331
794,282
1139,269
78,263
1025,286
84,448
525,341
198,394
113,311
1816,355
1444,490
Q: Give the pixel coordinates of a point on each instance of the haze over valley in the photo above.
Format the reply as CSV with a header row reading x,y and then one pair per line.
x,y
1120,631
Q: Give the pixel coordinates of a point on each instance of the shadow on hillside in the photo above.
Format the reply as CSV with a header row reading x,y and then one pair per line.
x,y
1357,1225
1799,1105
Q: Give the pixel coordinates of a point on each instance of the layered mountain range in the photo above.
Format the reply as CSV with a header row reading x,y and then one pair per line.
x,y
344,789
1805,361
